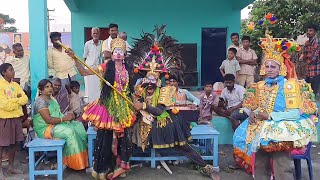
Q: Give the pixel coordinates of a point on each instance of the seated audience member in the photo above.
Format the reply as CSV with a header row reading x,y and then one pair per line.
x,y
60,94
230,65
183,95
230,103
207,103
50,123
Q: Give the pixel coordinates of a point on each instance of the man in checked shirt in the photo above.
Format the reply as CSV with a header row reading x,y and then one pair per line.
x,y
310,54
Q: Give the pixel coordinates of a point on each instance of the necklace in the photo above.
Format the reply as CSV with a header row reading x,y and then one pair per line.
x,y
121,78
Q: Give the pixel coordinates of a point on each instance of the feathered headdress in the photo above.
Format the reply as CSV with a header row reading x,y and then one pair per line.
x,y
158,55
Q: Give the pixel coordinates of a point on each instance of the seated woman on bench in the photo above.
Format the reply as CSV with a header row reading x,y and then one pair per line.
x,y
50,123
160,124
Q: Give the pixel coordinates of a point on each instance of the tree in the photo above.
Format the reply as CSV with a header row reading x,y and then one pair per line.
x,y
293,18
5,20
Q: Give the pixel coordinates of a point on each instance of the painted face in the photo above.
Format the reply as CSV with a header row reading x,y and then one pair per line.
x,y
272,68
118,54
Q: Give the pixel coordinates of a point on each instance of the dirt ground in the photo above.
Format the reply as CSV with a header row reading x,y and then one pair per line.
x,y
180,172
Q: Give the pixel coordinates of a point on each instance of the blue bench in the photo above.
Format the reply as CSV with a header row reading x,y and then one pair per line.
x,y
44,145
200,132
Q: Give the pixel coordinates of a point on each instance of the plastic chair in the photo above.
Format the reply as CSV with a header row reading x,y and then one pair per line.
x,y
297,162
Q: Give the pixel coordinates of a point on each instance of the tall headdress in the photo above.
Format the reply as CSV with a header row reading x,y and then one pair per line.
x,y
118,43
277,49
158,55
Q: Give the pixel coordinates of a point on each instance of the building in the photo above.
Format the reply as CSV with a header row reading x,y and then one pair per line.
x,y
203,27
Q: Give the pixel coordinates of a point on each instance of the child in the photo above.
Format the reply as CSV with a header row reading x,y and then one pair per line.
x,y
247,59
74,98
12,98
207,104
230,65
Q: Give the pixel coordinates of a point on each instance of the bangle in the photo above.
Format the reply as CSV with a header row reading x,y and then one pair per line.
x,y
60,120
144,105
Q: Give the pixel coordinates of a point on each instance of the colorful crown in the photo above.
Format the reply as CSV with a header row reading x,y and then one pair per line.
x,y
118,43
274,49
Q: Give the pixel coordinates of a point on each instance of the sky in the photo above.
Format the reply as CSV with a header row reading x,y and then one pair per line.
x,y
61,13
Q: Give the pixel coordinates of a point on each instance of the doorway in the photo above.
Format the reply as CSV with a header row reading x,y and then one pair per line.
x,y
213,52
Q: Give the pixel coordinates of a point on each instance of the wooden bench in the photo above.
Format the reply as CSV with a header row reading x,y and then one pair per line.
x,y
45,145
200,132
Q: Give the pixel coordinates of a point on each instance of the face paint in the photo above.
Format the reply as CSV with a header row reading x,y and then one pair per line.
x,y
118,50
118,53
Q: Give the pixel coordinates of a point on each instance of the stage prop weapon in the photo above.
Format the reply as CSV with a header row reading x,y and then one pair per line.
x,y
96,73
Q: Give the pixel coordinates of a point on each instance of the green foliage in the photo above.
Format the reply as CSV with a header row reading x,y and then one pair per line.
x,y
7,20
293,18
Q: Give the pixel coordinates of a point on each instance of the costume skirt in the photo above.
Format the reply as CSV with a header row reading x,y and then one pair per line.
x,y
175,132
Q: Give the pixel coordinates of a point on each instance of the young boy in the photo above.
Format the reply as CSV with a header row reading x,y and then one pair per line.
x,y
230,65
247,59
74,98
207,104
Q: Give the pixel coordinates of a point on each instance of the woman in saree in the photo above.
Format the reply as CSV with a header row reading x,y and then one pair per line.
x,y
50,123
282,117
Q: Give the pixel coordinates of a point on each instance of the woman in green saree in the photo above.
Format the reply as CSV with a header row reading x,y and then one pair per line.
x,y
50,123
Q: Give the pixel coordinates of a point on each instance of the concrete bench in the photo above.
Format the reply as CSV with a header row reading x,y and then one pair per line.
x,y
200,132
45,145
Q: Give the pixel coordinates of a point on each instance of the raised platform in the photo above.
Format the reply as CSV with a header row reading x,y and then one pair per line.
x,y
223,125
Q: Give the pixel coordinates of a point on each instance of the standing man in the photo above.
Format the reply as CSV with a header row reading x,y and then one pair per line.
x,y
235,41
247,59
124,36
310,54
92,56
21,65
59,61
106,48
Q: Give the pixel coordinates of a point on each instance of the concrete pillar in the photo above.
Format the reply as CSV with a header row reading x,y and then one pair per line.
x,y
38,42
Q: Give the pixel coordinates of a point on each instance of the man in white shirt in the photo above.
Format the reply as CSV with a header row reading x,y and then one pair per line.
x,y
106,48
230,104
21,65
92,56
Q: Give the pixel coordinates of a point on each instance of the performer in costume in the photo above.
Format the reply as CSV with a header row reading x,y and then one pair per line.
x,y
160,126
282,116
112,115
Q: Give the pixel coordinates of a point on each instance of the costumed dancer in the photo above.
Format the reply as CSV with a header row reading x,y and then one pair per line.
x,y
112,115
282,116
159,125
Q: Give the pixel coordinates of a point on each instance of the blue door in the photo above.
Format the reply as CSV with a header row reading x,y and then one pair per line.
x,y
213,52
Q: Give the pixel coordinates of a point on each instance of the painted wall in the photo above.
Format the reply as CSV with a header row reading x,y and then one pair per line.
x,y
184,19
